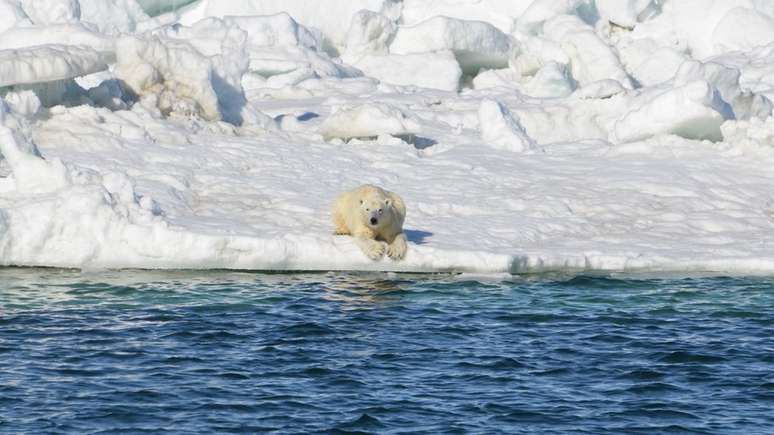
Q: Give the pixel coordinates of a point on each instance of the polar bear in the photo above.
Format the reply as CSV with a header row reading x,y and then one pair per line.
x,y
373,216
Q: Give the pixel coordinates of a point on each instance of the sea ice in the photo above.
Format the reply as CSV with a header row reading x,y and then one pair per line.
x,y
112,16
191,71
158,7
540,11
369,33
12,15
500,129
499,13
332,17
437,70
75,34
48,63
694,111
43,12
758,30
368,120
590,58
175,75
525,136
276,30
476,44
625,13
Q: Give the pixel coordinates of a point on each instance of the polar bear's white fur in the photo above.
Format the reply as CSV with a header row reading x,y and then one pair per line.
x,y
373,216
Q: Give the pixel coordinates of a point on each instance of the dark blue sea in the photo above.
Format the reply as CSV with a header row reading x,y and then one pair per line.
x,y
225,352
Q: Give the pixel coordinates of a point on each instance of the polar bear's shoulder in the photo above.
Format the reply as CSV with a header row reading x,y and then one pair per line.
x,y
397,203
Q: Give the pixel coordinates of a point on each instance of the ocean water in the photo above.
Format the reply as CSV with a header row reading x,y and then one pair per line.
x,y
226,352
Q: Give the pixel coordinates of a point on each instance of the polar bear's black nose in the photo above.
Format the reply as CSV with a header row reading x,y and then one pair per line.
x,y
373,221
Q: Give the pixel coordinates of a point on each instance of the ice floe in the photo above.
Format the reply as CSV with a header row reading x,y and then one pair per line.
x,y
48,63
368,120
500,129
524,136
437,70
476,44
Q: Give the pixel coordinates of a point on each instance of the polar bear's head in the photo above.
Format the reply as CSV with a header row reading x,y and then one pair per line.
x,y
376,211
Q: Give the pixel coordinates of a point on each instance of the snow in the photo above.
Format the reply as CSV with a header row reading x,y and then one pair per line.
x,y
604,88
369,33
499,13
112,16
158,7
47,63
524,136
476,44
368,120
187,74
437,70
625,13
176,76
693,111
32,174
326,16
743,104
12,15
275,47
539,11
500,129
758,30
720,28
276,30
658,67
74,34
24,102
551,80
591,59
52,11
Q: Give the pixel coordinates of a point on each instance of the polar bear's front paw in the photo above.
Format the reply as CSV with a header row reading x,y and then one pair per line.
x,y
397,249
372,249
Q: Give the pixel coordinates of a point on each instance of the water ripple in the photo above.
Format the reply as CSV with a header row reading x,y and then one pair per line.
x,y
223,352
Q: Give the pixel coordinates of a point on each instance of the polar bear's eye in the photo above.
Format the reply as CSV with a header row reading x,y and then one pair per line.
x,y
368,209
380,210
